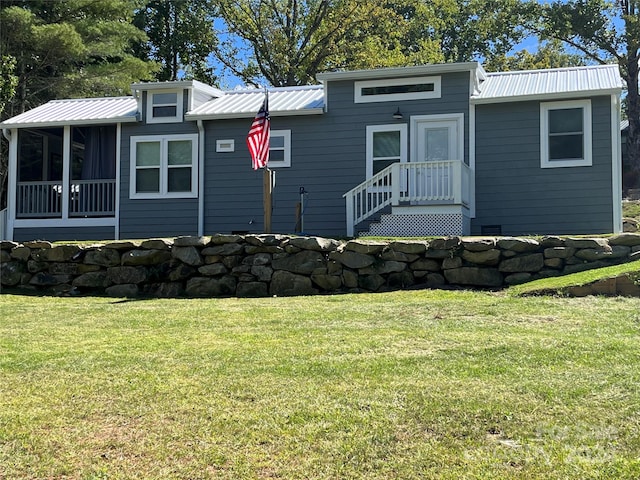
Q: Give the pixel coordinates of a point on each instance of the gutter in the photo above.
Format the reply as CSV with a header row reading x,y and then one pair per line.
x,y
201,151
6,133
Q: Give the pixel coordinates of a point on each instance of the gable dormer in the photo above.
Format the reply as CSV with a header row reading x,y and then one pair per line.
x,y
167,102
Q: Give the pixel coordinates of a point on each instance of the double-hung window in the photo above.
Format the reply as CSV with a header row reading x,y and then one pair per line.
x,y
280,148
565,134
164,166
164,106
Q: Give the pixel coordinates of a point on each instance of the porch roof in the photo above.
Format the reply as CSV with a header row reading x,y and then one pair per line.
x,y
304,100
84,111
549,84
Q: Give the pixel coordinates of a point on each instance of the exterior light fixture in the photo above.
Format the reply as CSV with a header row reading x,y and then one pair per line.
x,y
398,115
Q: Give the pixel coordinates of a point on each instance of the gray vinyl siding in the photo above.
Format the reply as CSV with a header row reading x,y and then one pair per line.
x,y
328,159
54,234
143,218
514,192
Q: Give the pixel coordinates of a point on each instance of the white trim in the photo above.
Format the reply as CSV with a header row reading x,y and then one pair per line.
x,y
395,97
12,182
559,96
272,113
201,189
472,161
616,159
116,230
69,222
163,140
179,106
394,72
286,162
390,127
62,123
66,168
417,119
545,108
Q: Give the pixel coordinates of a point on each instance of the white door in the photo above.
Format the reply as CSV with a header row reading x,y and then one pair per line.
x,y
436,142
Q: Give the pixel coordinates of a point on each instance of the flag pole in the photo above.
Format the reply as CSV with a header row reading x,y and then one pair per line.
x,y
267,189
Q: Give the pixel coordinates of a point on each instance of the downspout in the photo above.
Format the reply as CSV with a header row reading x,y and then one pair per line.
x,y
201,151
12,178
6,133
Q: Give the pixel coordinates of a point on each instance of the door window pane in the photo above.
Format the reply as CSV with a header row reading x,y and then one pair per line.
x,y
386,144
436,144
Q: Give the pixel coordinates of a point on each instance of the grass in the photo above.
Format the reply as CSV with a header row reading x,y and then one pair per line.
x,y
631,209
556,285
404,385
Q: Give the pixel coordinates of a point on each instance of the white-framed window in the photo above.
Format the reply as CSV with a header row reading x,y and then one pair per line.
x,y
386,144
164,106
164,166
280,148
396,89
565,134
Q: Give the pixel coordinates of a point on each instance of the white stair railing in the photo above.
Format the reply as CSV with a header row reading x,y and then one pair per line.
x,y
418,183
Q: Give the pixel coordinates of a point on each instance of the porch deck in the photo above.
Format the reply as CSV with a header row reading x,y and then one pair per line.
x,y
417,184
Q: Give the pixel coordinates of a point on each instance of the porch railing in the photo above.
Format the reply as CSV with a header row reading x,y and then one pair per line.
x,y
92,198
414,183
87,198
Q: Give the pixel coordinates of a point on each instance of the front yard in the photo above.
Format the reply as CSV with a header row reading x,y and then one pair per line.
x,y
404,385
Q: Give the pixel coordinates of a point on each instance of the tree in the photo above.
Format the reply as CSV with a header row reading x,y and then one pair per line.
x,y
73,48
180,38
288,42
604,31
550,54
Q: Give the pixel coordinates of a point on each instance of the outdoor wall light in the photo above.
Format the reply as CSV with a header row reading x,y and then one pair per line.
x,y
398,115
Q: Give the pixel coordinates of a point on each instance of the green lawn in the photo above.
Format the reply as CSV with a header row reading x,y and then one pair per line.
x,y
404,385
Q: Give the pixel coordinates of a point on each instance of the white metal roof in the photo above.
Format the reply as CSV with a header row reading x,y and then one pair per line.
x,y
169,85
395,72
549,84
77,111
305,100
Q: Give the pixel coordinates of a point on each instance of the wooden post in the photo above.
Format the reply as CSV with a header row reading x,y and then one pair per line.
x,y
267,190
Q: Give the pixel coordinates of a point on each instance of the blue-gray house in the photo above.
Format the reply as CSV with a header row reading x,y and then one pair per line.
x,y
442,149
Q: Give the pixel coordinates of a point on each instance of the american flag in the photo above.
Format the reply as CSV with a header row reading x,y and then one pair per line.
x,y
258,137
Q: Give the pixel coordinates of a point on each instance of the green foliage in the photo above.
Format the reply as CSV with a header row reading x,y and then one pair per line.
x,y
603,31
74,48
288,42
550,54
180,38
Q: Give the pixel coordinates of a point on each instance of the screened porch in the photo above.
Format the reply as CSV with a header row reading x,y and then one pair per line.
x,y
66,172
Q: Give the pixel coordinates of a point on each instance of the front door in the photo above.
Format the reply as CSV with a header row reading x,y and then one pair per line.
x,y
436,141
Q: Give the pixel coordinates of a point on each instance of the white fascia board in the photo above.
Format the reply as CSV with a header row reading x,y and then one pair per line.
x,y
546,96
61,123
420,70
222,116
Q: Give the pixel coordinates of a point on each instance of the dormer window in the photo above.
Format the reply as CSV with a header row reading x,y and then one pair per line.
x,y
164,106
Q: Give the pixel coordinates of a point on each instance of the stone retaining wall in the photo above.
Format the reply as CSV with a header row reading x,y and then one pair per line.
x,y
265,265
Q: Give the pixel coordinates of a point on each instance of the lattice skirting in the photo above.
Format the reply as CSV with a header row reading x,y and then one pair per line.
x,y
418,225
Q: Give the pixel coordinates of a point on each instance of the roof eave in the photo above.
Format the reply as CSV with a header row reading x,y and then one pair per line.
x,y
61,123
546,96
282,113
400,71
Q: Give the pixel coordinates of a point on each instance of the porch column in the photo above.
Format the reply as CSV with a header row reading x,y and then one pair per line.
x,y
66,170
12,181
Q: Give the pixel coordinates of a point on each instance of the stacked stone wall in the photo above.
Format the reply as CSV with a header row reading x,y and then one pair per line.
x,y
266,265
